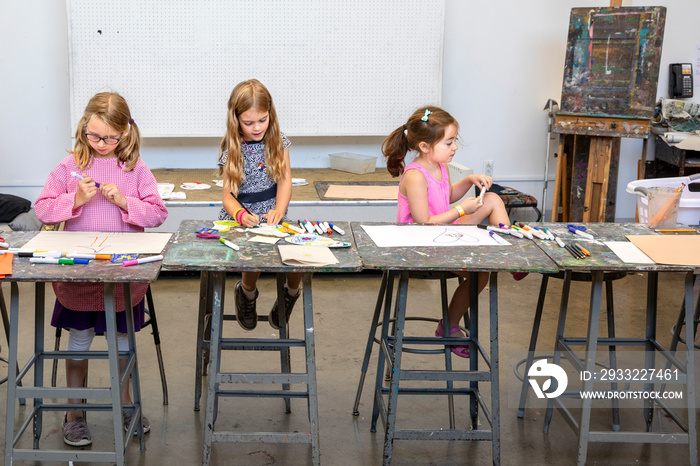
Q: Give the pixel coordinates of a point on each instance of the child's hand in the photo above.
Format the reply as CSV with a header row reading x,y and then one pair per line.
x,y
471,205
113,195
249,220
273,217
481,180
86,191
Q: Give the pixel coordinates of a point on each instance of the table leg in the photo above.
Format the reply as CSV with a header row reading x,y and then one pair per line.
x,y
217,282
311,368
495,391
401,297
39,302
113,357
204,299
285,360
473,348
591,349
380,359
690,369
649,353
10,410
563,307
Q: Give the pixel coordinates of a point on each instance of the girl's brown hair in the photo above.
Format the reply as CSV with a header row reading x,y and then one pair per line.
x,y
419,128
111,109
246,95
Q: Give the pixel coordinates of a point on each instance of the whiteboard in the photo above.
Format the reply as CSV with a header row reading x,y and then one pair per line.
x,y
333,67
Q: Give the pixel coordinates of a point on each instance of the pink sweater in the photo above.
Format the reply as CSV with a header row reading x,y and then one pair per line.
x,y
55,205
438,194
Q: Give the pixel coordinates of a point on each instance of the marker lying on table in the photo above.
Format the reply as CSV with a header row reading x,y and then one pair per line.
x,y
80,177
144,260
498,239
56,260
585,251
336,228
294,228
4,245
89,256
228,243
559,242
668,230
576,231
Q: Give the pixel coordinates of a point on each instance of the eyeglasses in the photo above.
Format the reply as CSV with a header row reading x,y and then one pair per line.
x,y
110,141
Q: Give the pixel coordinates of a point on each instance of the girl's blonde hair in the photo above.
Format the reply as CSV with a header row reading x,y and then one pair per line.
x,y
111,109
246,95
427,124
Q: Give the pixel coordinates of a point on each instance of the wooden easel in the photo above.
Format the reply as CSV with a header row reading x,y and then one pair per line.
x,y
589,143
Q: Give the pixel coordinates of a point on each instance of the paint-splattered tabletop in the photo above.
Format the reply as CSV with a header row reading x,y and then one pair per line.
x,y
602,257
521,255
97,271
187,252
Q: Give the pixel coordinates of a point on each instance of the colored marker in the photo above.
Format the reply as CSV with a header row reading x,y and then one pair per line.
x,y
309,227
551,236
583,250
580,233
498,239
525,233
17,251
144,260
318,228
4,245
336,229
559,241
481,194
327,227
56,260
80,177
513,232
292,227
227,243
89,256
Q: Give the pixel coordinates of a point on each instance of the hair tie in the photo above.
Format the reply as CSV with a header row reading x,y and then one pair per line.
x,y
404,128
425,117
131,121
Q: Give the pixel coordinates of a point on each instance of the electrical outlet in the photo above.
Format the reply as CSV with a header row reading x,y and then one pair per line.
x,y
488,168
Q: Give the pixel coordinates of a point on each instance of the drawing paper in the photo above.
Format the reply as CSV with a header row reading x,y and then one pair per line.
x,y
392,236
95,242
670,249
628,252
306,255
263,239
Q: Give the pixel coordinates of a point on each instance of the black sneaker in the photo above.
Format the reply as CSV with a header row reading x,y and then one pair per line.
x,y
289,301
246,315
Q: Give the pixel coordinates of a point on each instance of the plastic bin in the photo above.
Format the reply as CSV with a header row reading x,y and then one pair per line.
x,y
689,206
353,163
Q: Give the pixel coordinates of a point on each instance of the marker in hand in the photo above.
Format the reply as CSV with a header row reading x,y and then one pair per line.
x,y
80,177
481,194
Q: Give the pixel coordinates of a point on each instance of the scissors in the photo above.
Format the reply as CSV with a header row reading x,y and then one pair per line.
x,y
207,235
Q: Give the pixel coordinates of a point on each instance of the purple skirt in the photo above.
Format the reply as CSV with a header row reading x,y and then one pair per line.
x,y
82,320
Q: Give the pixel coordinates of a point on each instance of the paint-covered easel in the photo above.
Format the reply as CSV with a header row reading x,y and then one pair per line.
x,y
609,92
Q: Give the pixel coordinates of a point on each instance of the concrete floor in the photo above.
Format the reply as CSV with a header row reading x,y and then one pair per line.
x,y
343,306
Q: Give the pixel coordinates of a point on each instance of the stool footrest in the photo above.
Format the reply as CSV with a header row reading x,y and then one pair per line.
x,y
63,455
263,393
261,378
262,437
259,343
443,434
443,375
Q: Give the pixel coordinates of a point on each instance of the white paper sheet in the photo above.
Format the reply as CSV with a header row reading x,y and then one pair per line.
x,y
392,236
628,252
306,255
95,242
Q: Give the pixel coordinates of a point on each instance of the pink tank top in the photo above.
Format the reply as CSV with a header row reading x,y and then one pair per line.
x,y
438,194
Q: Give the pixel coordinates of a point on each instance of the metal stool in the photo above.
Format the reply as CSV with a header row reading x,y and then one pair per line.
x,y
6,326
152,321
608,277
676,329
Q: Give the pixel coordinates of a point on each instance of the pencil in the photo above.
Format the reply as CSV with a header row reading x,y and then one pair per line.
x,y
672,230
572,251
242,205
585,251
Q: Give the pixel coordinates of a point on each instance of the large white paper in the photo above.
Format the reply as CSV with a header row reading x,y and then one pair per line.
x,y
95,242
628,252
394,236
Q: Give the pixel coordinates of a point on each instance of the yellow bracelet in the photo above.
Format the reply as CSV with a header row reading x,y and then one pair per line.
x,y
460,210
235,214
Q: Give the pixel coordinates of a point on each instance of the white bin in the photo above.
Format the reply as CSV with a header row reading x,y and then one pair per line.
x,y
689,206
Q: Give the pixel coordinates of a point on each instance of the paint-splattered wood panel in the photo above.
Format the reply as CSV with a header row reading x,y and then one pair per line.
x,y
522,255
186,252
612,61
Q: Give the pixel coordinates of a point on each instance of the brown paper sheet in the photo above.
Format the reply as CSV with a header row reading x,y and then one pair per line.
x,y
670,249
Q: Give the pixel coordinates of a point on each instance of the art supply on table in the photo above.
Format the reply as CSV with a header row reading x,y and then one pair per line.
x,y
144,260
315,240
4,245
498,239
559,241
574,252
583,250
295,229
229,244
89,256
582,234
263,239
207,235
80,177
337,229
677,230
57,260
523,232
306,255
663,206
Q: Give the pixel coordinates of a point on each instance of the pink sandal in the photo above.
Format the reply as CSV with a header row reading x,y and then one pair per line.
x,y
461,351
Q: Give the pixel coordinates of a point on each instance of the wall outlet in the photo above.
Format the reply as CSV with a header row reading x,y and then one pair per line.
x,y
488,168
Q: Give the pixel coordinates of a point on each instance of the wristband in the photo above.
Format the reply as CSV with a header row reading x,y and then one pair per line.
x,y
238,211
240,216
460,210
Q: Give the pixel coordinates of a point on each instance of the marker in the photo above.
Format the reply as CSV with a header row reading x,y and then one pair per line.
x,y
580,233
481,194
310,228
559,242
4,245
583,250
144,260
551,236
317,227
513,232
56,260
327,227
227,243
578,227
542,233
18,251
525,233
89,256
498,239
53,254
336,228
292,227
80,177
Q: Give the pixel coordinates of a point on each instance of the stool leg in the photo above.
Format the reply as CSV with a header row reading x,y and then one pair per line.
x,y
56,347
285,361
370,344
473,351
610,307
448,351
156,341
560,334
6,325
533,345
200,365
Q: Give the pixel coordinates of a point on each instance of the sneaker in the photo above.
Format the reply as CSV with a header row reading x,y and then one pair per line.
x,y
76,432
246,315
289,301
128,413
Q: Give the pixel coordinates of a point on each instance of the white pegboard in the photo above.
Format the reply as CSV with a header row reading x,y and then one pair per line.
x,y
334,67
